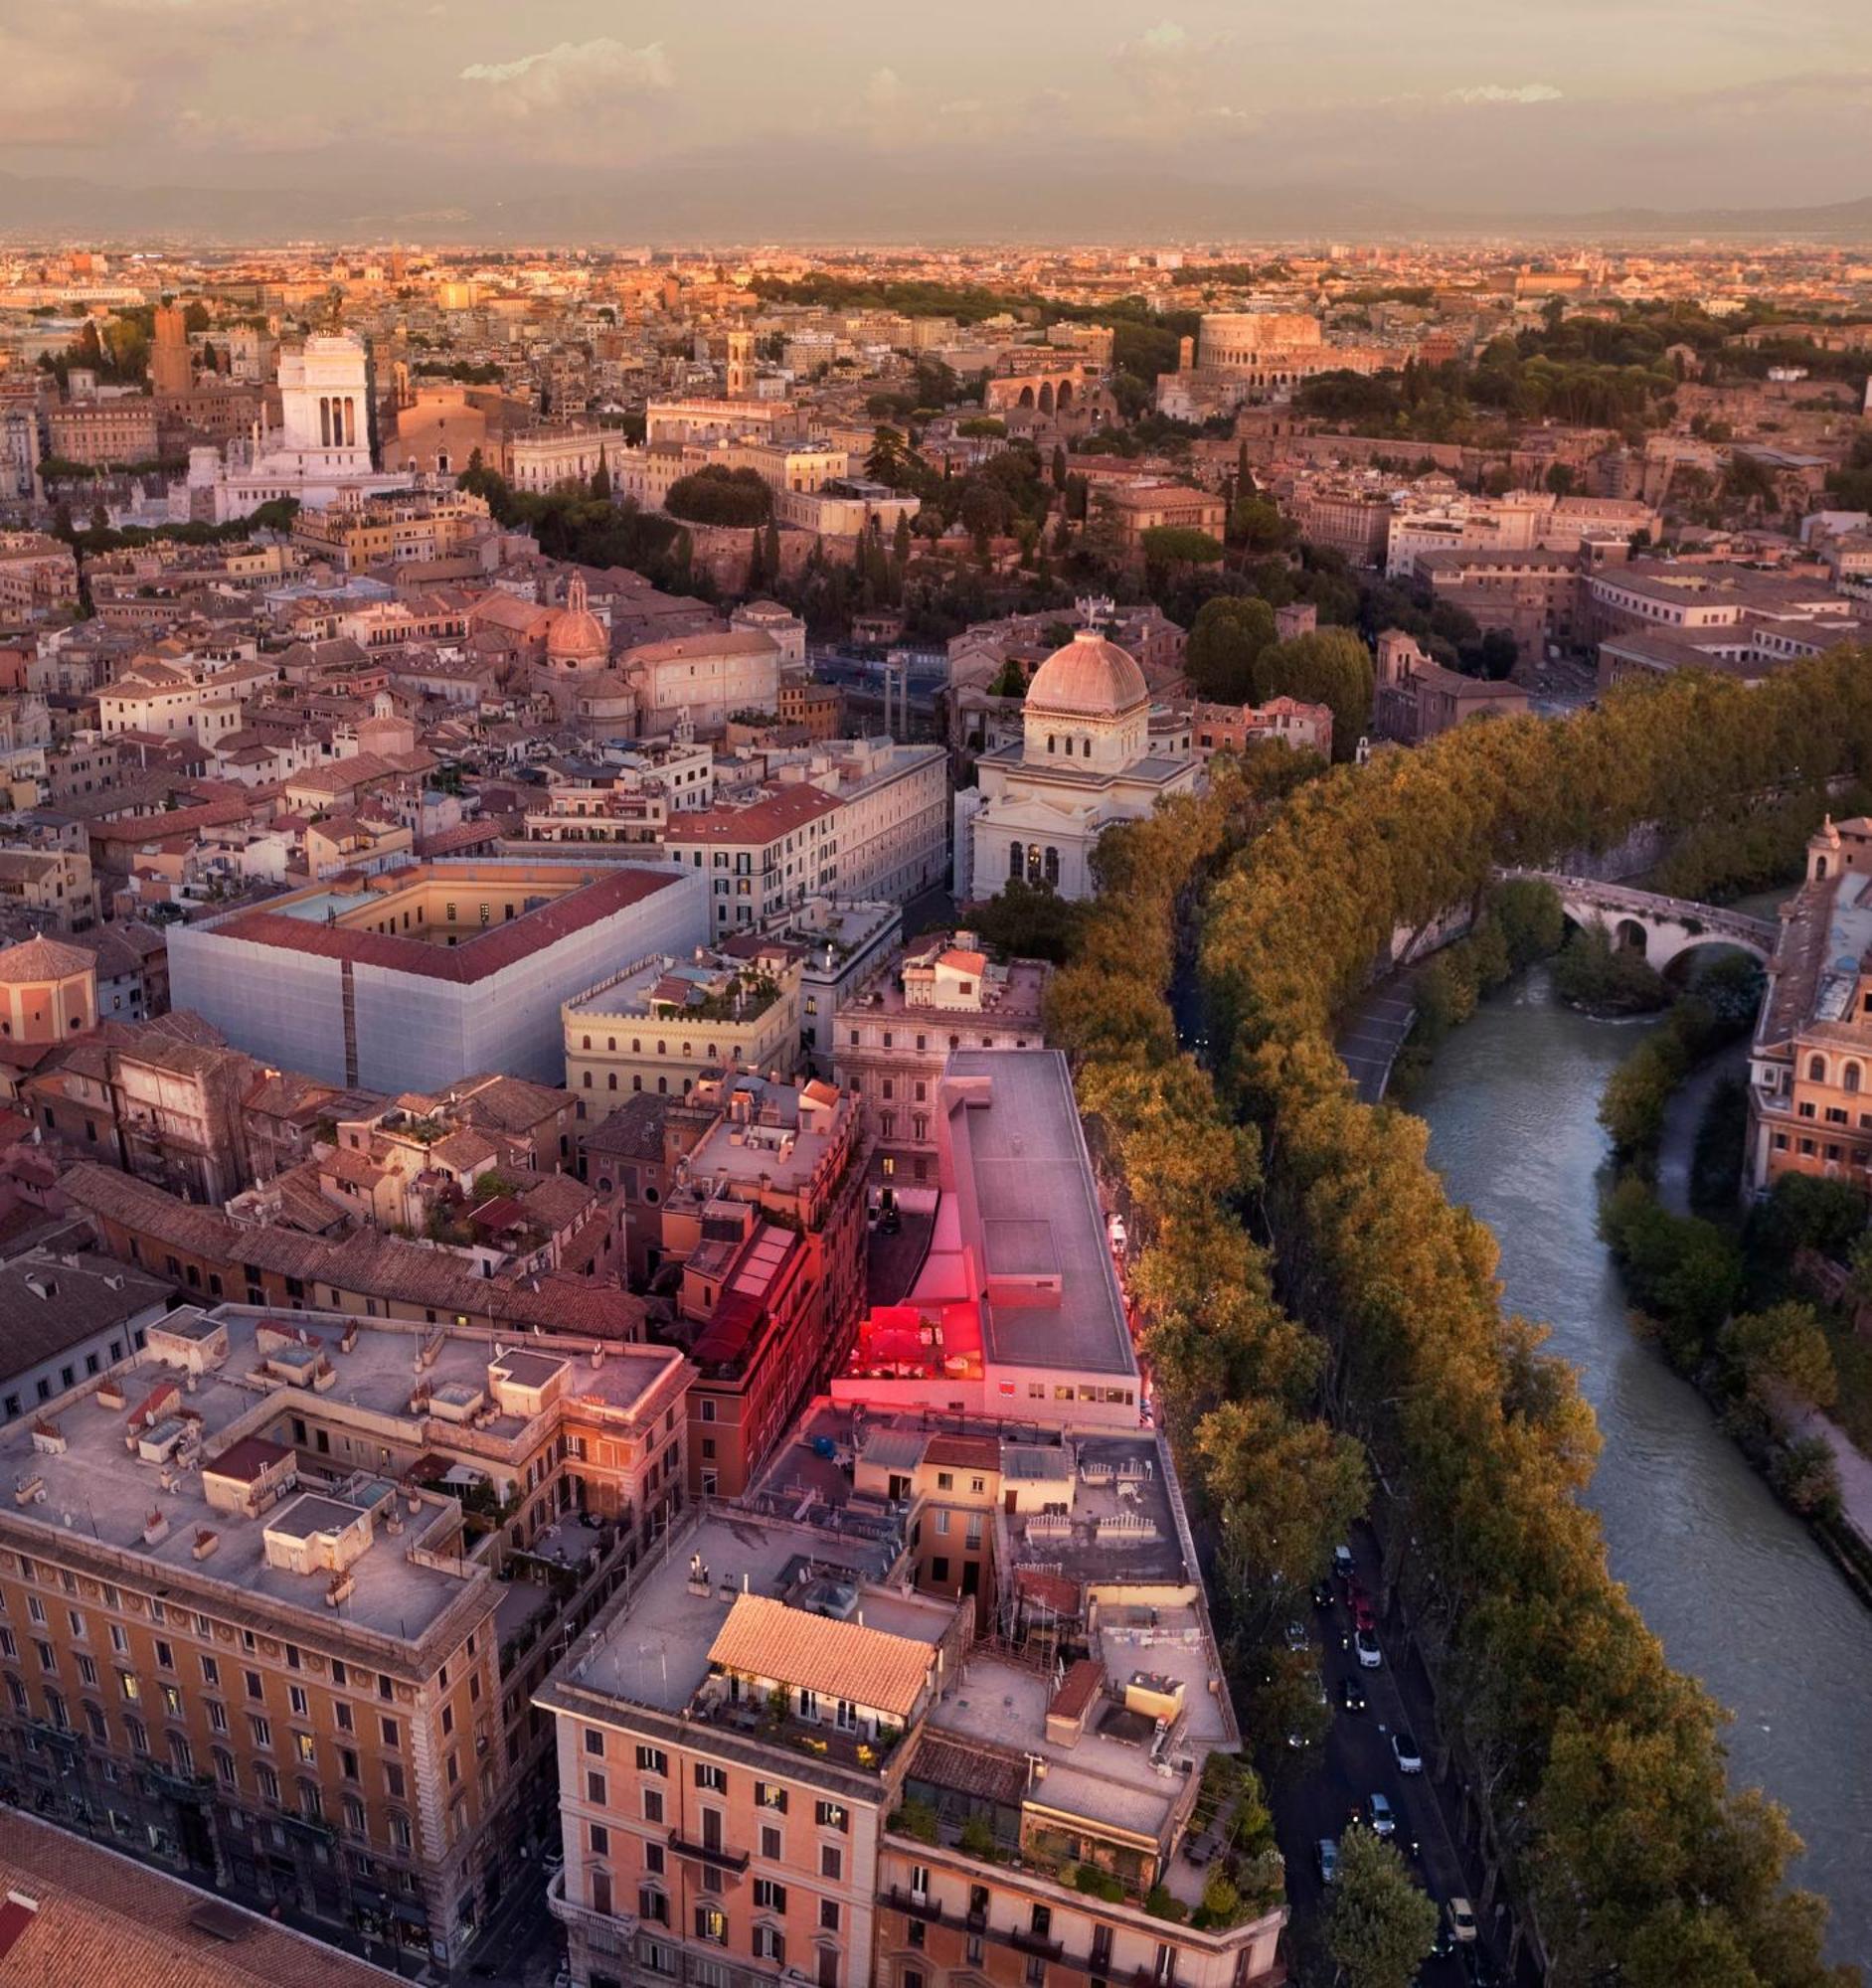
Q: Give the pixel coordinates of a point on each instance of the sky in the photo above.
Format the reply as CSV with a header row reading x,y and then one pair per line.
x,y
1066,119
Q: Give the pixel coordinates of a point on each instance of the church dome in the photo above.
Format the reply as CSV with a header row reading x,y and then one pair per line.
x,y
575,636
1087,678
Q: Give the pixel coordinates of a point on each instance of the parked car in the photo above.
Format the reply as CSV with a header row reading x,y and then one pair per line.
x,y
1380,1817
1115,1229
1461,1916
1342,1563
1403,1751
1370,1656
1352,1695
1297,1636
1362,1616
1327,1856
1357,1595
1322,1595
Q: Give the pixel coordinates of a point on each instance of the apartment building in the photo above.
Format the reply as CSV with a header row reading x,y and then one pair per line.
x,y
1416,697
38,576
69,1313
181,700
1143,507
273,1654
811,1745
894,815
893,1037
662,1022
1810,1061
391,530
759,858
1015,1309
102,433
763,1208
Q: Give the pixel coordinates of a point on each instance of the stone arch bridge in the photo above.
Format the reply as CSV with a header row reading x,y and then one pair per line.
x,y
1662,928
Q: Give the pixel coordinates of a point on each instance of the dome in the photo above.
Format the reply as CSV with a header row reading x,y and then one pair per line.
x,y
42,959
1089,677
575,634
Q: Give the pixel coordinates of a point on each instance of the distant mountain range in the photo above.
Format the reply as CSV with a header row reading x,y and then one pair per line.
x,y
721,198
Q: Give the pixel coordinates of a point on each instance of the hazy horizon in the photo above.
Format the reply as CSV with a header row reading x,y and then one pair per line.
x,y
1106,120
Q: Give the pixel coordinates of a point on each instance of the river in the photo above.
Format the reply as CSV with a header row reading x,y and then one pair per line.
x,y
1739,1592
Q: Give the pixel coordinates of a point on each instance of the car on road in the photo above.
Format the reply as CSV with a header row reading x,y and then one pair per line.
x,y
1327,1856
1441,1945
1297,1636
1352,1695
1362,1616
1322,1595
1461,1917
1403,1751
1370,1656
1343,1561
1380,1817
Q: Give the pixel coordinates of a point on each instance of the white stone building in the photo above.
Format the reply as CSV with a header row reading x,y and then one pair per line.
x,y
1085,761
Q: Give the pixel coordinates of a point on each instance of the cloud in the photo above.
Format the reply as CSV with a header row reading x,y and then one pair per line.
x,y
574,73
58,99
884,89
1167,38
1501,92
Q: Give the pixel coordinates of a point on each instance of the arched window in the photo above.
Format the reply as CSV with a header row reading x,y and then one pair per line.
x,y
587,1079
1849,1076
586,1041
1049,741
1014,863
611,1081
611,1041
1053,867
1033,863
1816,1069
1820,866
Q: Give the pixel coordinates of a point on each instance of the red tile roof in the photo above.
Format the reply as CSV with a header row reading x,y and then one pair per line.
x,y
476,958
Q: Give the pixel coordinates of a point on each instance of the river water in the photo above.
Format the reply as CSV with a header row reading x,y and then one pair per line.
x,y
1738,1590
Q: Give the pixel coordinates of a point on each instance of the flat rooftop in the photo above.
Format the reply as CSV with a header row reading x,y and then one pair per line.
x,y
97,1486
1107,1774
1032,1177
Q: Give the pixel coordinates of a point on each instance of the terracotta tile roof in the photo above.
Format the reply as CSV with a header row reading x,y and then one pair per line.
x,y
764,1638
42,958
383,1266
967,1452
102,1921
765,820
486,954
1078,1689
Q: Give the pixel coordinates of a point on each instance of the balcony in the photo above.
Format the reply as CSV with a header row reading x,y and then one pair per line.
x,y
604,1932
700,1852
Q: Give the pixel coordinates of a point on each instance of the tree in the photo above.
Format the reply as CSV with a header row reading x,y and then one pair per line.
x,y
771,558
601,476
1168,547
757,569
1378,1925
1224,643
1561,478
1781,1350
1059,466
1026,922
712,495
1329,666
1256,525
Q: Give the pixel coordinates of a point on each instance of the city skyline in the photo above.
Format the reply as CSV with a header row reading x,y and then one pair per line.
x,y
1185,117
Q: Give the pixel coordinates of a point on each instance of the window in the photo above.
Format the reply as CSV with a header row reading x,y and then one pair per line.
x,y
712,1924
601,1840
831,1862
595,1787
712,1778
828,1915
831,1815
297,1698
773,1845
653,1804
210,1671
263,1731
769,1794
652,1904
652,1761
391,1735
769,1943
769,1895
